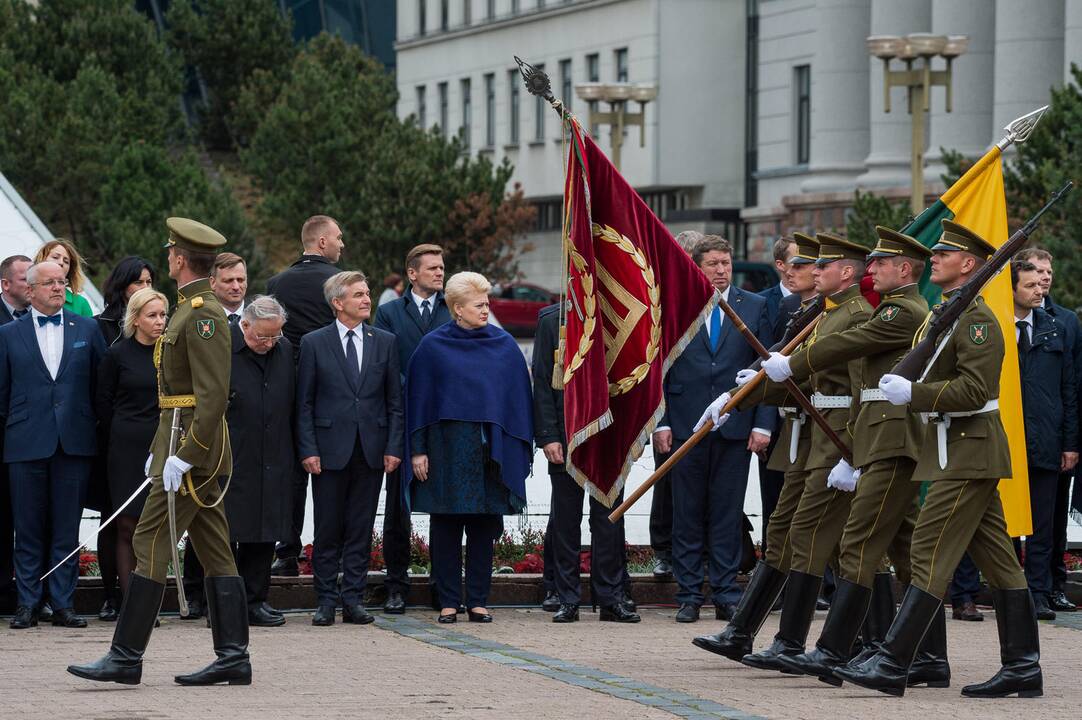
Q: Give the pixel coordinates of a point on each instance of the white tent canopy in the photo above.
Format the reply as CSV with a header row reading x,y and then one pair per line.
x,y
22,232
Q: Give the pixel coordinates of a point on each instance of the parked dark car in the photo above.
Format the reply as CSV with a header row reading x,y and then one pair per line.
x,y
517,305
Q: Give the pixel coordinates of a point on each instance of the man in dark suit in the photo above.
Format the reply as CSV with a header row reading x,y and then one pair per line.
x,y
420,310
776,296
563,539
350,431
1068,320
708,486
1050,412
48,365
14,303
300,290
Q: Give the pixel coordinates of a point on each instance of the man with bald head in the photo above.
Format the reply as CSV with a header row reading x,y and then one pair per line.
x,y
48,362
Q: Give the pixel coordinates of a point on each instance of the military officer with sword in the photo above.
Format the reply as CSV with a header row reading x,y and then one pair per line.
x,y
189,456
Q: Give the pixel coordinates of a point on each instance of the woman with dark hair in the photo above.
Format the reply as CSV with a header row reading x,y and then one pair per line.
x,y
128,277
469,429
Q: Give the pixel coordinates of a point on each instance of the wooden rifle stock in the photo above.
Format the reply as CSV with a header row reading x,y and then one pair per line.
x,y
705,430
794,390
945,315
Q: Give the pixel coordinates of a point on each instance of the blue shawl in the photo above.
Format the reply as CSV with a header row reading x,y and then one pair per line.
x,y
473,376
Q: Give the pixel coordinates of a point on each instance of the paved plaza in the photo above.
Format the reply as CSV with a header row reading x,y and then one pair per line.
x,y
520,666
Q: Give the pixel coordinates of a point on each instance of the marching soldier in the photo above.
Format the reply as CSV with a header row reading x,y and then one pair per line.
x,y
886,445
964,456
790,455
193,362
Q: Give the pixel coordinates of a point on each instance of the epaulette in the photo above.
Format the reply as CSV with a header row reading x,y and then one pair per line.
x,y
197,302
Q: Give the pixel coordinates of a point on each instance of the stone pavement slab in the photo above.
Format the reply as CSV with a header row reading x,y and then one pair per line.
x,y
520,666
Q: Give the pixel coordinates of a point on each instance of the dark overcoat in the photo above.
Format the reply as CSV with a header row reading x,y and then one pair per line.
x,y
259,505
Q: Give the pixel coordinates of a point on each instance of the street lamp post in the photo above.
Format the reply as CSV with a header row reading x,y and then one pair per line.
x,y
918,79
618,116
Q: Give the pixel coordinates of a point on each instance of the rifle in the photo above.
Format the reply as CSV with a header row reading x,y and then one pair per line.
x,y
945,315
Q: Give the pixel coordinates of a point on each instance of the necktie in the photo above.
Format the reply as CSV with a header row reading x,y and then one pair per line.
x,y
715,329
233,317
44,320
353,366
426,315
1023,339
19,313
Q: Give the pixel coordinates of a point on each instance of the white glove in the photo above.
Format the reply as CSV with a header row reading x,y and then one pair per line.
x,y
744,376
843,477
712,413
777,367
173,472
898,390
146,467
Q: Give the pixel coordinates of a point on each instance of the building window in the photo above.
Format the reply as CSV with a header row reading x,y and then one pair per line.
x,y
421,109
514,6
467,114
445,14
513,82
467,12
802,87
421,20
751,107
621,65
593,74
443,109
566,89
490,10
539,113
490,110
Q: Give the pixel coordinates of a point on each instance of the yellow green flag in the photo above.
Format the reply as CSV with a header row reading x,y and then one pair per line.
x,y
977,201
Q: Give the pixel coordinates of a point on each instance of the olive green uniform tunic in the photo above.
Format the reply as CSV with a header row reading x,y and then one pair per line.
x,y
963,508
193,358
886,438
801,533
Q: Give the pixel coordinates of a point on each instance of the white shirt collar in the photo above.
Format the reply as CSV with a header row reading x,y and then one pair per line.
x,y
342,330
238,311
1027,318
417,300
725,293
37,313
11,308
785,292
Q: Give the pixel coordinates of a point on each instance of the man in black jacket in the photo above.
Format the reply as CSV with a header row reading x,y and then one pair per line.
x,y
1050,412
419,311
14,303
564,533
299,288
1042,260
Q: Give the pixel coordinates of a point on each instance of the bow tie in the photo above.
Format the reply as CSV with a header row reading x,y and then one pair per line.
x,y
43,320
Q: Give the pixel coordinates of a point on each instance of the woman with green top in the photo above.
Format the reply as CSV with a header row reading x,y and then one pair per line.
x,y
63,253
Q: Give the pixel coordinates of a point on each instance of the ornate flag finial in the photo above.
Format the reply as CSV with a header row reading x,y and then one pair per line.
x,y
1019,129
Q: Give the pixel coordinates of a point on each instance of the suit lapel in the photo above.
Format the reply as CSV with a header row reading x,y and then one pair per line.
x,y
735,300
412,313
338,351
26,329
70,331
368,351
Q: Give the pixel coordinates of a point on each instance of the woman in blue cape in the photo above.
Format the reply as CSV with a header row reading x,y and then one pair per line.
x,y
469,430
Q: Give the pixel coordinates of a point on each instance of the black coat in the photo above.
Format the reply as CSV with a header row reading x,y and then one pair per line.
x,y
1072,329
300,290
1049,397
548,403
259,505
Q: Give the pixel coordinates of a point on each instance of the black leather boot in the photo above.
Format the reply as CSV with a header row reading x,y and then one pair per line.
x,y
835,644
124,661
930,667
888,670
1019,649
877,620
796,615
228,608
734,642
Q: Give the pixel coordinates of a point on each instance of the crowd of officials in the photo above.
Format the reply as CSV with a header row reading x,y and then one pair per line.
x,y
419,392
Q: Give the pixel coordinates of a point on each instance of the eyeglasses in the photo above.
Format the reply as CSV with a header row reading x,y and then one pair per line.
x,y
269,338
50,283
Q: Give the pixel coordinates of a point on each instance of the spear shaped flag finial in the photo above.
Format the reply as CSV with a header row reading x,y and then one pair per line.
x,y
1019,129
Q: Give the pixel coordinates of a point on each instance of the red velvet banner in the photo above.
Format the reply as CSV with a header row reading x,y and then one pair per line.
x,y
636,300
